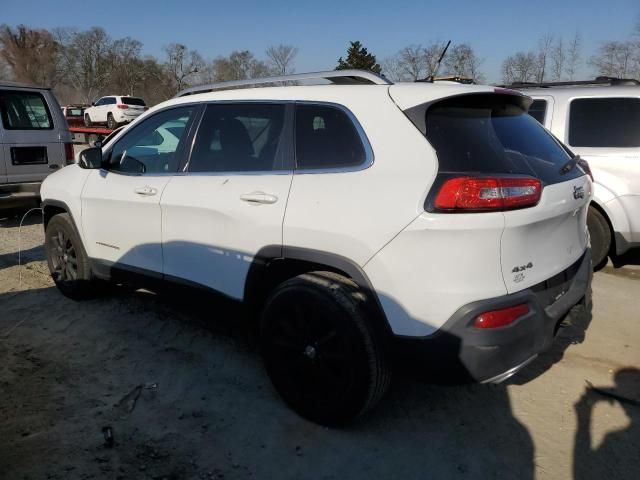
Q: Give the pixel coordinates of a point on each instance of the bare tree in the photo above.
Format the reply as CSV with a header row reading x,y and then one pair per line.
x,y
86,59
281,59
521,67
238,66
128,68
574,56
545,46
391,68
614,59
462,61
181,65
30,54
413,62
558,58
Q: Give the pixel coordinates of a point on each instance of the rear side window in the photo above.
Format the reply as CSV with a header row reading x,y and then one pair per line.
x,y
133,101
604,122
326,138
538,110
493,134
24,111
239,137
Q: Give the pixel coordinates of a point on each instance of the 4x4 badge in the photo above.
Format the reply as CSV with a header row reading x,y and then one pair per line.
x,y
578,192
521,268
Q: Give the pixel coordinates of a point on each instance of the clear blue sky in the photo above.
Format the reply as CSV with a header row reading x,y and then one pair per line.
x,y
322,30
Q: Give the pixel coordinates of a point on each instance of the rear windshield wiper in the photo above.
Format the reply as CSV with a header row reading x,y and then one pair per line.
x,y
567,167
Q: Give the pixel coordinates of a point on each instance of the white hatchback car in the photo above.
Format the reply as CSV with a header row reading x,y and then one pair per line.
x,y
600,121
362,220
114,110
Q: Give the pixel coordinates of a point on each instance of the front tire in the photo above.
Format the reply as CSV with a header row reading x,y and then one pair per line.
x,y
600,237
323,357
67,260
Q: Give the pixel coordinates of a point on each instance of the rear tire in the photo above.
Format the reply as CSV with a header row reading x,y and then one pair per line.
x,y
67,260
321,354
87,120
600,237
111,122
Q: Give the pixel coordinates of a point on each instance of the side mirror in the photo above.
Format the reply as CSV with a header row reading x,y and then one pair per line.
x,y
93,104
97,144
90,158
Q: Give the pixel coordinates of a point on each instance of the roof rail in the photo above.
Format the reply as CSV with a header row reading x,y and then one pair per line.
x,y
611,81
339,77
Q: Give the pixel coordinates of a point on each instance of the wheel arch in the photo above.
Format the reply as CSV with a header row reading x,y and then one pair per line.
x,y
274,265
51,208
603,212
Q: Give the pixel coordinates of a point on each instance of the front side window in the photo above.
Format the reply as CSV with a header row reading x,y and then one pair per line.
x,y
605,122
24,111
109,101
538,110
239,137
326,138
154,145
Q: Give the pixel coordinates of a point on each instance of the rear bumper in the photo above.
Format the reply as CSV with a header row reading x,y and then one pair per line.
x,y
13,194
492,355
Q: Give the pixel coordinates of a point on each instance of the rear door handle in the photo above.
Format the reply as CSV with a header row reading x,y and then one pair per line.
x,y
146,191
259,198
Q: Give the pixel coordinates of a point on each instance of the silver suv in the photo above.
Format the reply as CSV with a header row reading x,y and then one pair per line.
x,y
34,141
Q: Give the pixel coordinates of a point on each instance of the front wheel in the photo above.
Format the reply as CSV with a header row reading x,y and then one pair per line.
x,y
320,352
67,259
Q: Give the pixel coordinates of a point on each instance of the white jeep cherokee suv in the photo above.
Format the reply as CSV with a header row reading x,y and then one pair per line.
x,y
114,110
365,220
600,121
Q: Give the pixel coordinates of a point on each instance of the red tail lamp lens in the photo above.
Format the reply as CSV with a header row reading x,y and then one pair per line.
x,y
500,318
68,153
123,106
488,193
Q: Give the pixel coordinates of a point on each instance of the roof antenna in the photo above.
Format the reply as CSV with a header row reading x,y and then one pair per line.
x,y
435,71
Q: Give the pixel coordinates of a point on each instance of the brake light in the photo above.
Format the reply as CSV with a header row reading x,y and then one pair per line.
x,y
585,166
122,106
68,153
488,193
500,318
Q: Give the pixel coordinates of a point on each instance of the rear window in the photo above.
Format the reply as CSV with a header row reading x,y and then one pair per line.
x,y
24,111
538,110
74,112
133,101
493,134
326,138
604,122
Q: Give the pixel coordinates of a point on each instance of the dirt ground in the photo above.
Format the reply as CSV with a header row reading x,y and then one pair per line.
x,y
183,391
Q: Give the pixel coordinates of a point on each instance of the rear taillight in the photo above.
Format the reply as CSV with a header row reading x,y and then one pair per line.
x,y
500,318
68,153
488,193
585,166
122,106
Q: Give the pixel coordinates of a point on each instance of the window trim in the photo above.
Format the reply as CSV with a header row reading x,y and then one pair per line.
x,y
46,107
594,97
369,157
287,139
182,152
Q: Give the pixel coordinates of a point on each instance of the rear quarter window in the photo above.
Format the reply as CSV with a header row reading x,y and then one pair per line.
x,y
538,110
21,110
605,122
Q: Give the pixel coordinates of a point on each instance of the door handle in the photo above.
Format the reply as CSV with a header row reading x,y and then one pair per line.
x,y
259,198
146,191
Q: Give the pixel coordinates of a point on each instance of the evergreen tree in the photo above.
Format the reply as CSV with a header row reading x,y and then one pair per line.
x,y
359,58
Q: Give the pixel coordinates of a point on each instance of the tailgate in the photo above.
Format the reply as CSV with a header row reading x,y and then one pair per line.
x,y
542,241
